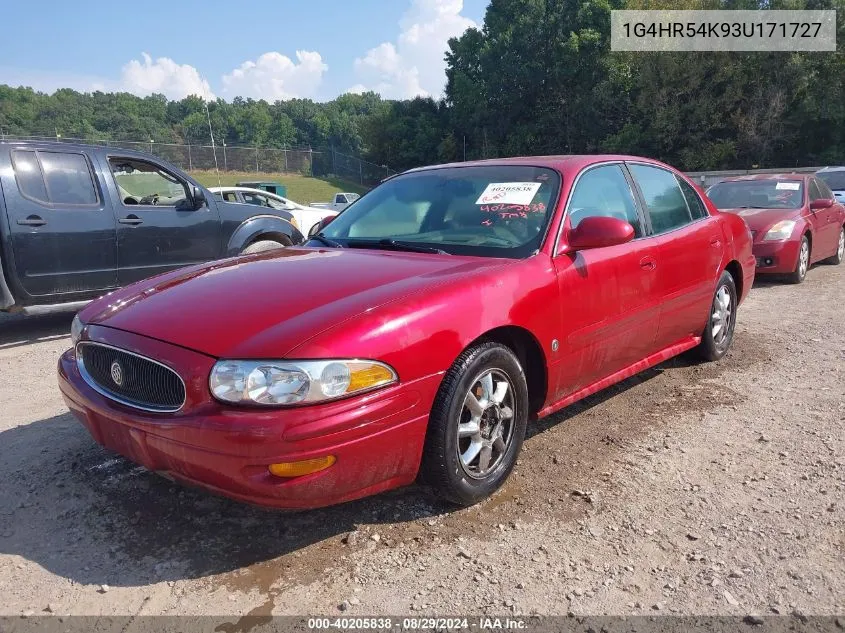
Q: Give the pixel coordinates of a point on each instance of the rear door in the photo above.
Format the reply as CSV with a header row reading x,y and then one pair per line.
x,y
156,230
61,225
690,244
609,302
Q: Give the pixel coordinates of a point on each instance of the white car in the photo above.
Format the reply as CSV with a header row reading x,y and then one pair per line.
x,y
308,218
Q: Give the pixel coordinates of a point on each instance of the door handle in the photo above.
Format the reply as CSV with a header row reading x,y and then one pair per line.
x,y
132,220
648,263
33,220
715,242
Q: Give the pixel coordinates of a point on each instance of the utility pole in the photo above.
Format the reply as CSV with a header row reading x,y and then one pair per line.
x,y
213,148
465,148
225,163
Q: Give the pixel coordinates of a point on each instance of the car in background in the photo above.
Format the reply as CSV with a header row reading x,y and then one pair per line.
x,y
77,221
443,311
794,220
834,177
340,202
307,218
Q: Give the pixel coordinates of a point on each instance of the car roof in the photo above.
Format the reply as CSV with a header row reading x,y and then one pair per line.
x,y
245,190
262,182
829,169
561,162
792,176
80,147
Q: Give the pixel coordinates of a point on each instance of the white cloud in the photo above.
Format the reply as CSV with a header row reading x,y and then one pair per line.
x,y
274,76
163,76
414,65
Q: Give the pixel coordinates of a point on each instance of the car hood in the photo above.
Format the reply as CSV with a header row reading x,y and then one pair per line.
x,y
264,305
761,219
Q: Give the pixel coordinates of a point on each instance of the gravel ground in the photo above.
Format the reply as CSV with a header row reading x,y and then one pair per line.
x,y
692,488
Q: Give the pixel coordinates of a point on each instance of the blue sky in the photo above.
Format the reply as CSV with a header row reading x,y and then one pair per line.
x,y
258,48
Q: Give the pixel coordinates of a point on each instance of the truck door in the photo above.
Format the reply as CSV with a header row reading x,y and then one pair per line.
x,y
156,230
61,224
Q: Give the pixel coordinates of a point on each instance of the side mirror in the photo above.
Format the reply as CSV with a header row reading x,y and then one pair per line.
x,y
821,203
321,225
198,197
598,232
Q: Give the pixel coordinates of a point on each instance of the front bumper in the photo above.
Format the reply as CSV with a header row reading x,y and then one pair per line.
x,y
776,257
377,438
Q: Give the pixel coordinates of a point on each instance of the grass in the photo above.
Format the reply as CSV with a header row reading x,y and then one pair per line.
x,y
301,189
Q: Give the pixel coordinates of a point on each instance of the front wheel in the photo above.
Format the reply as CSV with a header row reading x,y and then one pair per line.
x,y
477,424
717,336
803,263
840,249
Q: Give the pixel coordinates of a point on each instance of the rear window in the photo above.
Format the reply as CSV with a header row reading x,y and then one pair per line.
x,y
60,178
757,194
834,179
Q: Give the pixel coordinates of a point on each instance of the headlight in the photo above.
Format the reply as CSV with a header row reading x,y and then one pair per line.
x,y
273,383
76,330
780,230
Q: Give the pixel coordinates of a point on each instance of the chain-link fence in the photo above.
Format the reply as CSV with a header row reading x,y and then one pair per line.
x,y
323,162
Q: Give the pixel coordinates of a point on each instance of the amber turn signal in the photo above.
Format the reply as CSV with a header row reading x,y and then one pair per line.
x,y
304,467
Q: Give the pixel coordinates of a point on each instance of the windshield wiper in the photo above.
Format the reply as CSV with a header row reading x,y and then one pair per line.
x,y
328,242
411,247
396,245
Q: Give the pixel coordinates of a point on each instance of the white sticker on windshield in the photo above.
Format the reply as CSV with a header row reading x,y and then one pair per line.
x,y
790,186
509,193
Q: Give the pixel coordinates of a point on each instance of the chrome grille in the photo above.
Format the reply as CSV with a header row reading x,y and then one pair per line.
x,y
130,379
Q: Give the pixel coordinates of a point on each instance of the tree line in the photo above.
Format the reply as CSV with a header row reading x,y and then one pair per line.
x,y
538,77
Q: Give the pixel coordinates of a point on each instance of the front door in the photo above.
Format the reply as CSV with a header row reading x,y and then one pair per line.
x,y
609,307
62,228
157,230
691,247
826,221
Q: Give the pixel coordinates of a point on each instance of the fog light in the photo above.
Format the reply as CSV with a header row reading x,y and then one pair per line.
x,y
304,467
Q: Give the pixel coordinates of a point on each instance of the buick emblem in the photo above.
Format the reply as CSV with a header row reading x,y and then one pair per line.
x,y
117,373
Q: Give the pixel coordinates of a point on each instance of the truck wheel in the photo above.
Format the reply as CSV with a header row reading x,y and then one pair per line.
x,y
477,424
262,245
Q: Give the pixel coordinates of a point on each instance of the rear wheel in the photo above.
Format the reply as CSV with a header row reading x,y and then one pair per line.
x,y
477,425
717,336
803,263
840,250
262,245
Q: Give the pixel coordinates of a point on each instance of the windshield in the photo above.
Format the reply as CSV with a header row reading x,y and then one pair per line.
x,y
757,194
834,179
492,211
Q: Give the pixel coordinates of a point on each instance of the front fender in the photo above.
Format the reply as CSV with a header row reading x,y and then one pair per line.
x,y
260,226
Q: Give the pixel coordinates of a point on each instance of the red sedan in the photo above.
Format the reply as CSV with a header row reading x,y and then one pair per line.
x,y
416,334
794,218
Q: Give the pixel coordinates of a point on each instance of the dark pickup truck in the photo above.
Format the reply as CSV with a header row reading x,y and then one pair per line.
x,y
77,221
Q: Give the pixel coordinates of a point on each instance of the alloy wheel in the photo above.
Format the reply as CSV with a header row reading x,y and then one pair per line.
x,y
804,259
486,424
721,319
840,252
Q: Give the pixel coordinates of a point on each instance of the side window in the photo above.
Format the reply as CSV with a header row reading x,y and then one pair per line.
x,y
28,176
230,196
604,191
340,199
825,190
55,177
696,206
254,198
140,182
815,192
664,200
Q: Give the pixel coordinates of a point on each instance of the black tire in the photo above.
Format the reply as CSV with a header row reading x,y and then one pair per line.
x,y
840,251
261,246
801,266
442,467
719,332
